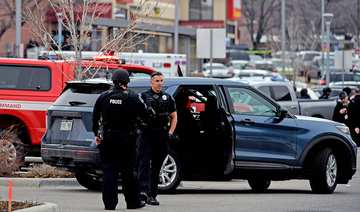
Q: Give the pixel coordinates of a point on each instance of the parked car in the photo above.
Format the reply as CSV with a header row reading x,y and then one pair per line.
x,y
255,57
304,59
287,56
356,68
242,133
315,69
233,54
284,94
352,84
248,75
236,66
219,70
261,65
337,76
278,63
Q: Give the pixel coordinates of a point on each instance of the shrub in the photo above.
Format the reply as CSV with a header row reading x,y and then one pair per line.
x,y
46,171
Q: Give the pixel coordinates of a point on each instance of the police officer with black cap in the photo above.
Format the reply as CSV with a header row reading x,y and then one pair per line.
x,y
154,145
341,109
119,110
326,93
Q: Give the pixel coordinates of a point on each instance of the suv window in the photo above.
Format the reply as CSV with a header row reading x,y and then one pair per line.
x,y
265,66
347,77
281,93
85,94
309,57
246,101
25,78
102,73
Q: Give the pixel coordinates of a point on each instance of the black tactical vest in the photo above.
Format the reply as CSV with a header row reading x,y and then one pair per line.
x,y
117,113
159,117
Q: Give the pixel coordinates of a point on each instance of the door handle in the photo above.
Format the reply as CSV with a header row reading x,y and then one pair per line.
x,y
293,107
247,121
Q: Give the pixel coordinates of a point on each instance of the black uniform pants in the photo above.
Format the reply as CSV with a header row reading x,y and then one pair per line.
x,y
118,154
153,148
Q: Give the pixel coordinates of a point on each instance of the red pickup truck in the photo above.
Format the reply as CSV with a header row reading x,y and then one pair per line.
x,y
29,87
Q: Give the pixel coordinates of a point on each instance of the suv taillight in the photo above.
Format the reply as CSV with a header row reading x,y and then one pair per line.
x,y
323,82
274,70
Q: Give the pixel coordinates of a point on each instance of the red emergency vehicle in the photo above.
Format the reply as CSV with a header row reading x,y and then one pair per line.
x,y
29,87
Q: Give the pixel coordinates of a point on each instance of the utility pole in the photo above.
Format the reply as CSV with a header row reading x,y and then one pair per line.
x,y
17,29
283,37
322,36
176,28
357,27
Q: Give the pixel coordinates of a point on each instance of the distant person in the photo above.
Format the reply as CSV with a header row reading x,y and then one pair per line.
x,y
347,90
326,93
67,45
32,43
304,94
354,116
340,113
357,96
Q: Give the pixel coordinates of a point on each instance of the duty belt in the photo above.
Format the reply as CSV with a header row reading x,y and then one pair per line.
x,y
119,131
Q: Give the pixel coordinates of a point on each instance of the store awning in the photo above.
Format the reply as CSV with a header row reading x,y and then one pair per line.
x,y
105,10
202,24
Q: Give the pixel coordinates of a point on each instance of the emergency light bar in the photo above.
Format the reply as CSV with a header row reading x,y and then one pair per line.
x,y
106,57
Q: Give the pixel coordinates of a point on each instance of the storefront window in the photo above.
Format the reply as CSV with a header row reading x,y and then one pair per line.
x,y
120,13
201,10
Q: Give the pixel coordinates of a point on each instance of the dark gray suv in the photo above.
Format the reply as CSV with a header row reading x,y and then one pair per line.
x,y
233,131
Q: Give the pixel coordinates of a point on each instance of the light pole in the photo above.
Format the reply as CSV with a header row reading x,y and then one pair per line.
x,y
283,37
328,17
59,17
322,36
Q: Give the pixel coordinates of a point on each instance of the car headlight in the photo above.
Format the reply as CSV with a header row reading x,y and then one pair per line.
x,y
343,129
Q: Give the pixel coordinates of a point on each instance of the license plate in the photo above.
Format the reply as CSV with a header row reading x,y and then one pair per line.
x,y
66,125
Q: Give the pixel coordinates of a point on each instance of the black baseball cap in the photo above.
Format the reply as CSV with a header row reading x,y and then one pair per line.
x,y
342,95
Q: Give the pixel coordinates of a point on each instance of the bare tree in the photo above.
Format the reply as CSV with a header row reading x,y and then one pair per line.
x,y
78,19
259,19
7,14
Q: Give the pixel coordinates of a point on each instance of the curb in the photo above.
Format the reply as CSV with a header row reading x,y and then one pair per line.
x,y
46,207
39,182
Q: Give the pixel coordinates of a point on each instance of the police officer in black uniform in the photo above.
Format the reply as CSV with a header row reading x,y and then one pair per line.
x,y
340,113
120,110
326,93
154,139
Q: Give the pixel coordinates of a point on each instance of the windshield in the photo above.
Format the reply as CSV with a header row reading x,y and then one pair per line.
x,y
94,72
214,67
265,66
85,95
309,57
331,62
239,65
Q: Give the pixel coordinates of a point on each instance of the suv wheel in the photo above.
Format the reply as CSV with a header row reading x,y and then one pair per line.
x,y
170,173
259,184
13,150
324,176
89,181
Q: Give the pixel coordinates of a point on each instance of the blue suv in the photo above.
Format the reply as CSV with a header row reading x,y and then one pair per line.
x,y
231,131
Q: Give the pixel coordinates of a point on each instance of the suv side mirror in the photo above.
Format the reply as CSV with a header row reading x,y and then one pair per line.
x,y
282,113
